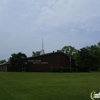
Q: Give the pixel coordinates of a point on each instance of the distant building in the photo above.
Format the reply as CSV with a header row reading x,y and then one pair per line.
x,y
42,63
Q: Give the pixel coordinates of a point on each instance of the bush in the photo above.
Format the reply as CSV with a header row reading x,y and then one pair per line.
x,y
84,69
98,69
56,69
68,69
61,69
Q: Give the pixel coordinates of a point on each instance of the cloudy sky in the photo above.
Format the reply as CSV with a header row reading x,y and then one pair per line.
x,y
23,23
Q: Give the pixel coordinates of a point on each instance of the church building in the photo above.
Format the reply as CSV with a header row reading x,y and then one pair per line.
x,y
45,62
42,63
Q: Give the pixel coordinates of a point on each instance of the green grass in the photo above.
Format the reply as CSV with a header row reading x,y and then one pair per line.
x,y
48,86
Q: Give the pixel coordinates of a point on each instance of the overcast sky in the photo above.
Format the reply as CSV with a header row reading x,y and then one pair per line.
x,y
23,23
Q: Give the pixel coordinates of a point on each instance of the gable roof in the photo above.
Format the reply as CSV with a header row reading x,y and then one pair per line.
x,y
4,63
59,52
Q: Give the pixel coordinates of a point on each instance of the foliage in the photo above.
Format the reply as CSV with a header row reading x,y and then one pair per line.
x,y
69,50
98,45
87,58
37,53
67,69
61,69
18,59
84,58
56,69
2,61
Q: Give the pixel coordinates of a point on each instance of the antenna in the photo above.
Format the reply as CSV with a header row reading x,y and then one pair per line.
x,y
42,51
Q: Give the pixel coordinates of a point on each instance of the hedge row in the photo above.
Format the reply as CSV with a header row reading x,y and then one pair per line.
x,y
61,69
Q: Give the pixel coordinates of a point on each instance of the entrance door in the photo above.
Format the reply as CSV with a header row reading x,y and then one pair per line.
x,y
23,69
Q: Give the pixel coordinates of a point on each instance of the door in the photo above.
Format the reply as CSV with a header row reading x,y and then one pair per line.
x,y
23,69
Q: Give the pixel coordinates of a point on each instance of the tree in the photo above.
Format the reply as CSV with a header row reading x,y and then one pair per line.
x,y
18,60
84,59
95,52
76,57
37,53
98,45
69,50
2,61
89,57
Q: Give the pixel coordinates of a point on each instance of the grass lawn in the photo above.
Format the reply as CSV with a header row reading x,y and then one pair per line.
x,y
48,86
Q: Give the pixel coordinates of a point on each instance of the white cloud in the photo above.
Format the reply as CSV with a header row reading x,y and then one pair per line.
x,y
64,22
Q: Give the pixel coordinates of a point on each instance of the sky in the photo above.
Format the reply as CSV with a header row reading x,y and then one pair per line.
x,y
61,23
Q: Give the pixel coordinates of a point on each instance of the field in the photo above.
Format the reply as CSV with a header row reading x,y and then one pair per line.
x,y
48,86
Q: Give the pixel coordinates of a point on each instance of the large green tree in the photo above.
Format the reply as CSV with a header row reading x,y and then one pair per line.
x,y
69,50
89,57
95,52
84,59
18,60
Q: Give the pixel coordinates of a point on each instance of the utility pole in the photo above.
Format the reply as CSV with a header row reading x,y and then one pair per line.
x,y
70,58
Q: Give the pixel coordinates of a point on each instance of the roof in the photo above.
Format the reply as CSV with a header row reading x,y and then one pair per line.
x,y
4,63
59,52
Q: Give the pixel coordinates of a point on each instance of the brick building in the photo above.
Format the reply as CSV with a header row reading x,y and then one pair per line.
x,y
45,62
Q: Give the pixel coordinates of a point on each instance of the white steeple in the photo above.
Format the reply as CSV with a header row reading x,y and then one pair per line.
x,y
42,51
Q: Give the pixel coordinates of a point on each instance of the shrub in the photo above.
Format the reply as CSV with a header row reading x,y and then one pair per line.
x,y
56,69
68,69
61,69
98,69
84,69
